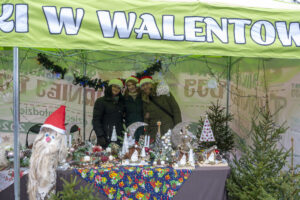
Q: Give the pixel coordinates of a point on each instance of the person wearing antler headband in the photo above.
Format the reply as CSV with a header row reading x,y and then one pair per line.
x,y
108,113
133,105
163,108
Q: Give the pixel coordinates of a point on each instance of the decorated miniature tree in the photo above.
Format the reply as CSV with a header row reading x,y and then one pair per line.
x,y
206,133
224,138
166,152
258,173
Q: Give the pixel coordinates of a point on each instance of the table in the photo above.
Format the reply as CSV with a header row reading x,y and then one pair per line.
x,y
205,183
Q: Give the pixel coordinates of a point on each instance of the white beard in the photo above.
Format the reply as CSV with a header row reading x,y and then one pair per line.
x,y
43,163
3,160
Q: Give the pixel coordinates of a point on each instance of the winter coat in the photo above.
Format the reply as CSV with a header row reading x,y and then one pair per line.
x,y
153,114
107,113
134,113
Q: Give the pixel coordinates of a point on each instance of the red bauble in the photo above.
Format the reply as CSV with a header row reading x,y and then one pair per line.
x,y
104,158
147,149
97,149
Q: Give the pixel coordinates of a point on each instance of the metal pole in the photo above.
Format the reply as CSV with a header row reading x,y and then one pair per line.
x,y
228,86
84,97
16,119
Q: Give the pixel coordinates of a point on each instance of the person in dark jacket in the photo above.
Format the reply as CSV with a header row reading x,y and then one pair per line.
x,y
133,105
108,113
163,108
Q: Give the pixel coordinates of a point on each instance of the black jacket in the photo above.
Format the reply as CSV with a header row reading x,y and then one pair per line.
x,y
107,113
134,113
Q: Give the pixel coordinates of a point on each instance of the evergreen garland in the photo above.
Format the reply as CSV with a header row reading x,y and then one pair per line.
x,y
49,65
156,67
91,83
85,80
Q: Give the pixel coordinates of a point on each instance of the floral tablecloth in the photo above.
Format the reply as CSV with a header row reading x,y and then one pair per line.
x,y
138,182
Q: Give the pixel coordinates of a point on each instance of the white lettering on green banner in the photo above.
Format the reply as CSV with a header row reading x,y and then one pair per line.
x,y
154,27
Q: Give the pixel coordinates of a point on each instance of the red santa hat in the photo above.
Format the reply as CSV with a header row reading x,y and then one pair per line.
x,y
56,120
145,79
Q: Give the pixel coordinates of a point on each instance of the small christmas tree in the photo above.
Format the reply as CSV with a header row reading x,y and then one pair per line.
x,y
166,151
206,133
125,148
258,174
224,138
114,135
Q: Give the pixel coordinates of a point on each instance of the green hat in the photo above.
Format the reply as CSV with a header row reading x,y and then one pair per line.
x,y
133,78
118,82
145,79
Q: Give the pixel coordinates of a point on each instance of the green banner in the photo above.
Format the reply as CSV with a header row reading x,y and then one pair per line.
x,y
151,26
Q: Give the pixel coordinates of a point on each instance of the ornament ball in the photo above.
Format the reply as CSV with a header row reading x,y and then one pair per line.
x,y
10,154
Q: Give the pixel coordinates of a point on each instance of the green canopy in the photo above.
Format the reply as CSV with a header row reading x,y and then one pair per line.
x,y
152,26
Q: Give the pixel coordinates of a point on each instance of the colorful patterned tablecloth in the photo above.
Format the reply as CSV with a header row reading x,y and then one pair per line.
x,y
140,182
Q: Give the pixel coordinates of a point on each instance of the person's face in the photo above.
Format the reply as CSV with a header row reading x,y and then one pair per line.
x,y
147,87
131,87
115,90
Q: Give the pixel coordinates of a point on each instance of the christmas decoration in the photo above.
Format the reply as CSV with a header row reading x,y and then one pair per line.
x,y
49,149
143,154
49,65
207,134
162,87
5,146
86,159
131,141
166,151
212,83
158,139
182,141
134,126
191,158
115,148
114,135
209,155
85,81
182,161
219,125
147,141
177,136
155,67
135,156
125,147
259,171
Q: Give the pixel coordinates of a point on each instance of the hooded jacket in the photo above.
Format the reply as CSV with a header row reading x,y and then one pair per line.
x,y
107,114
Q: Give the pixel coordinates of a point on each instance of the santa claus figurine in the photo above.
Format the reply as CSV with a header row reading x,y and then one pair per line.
x,y
49,149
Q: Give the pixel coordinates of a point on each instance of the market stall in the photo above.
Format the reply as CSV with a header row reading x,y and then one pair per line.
x,y
158,27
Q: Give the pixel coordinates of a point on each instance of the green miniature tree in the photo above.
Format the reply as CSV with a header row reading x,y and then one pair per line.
x,y
219,125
